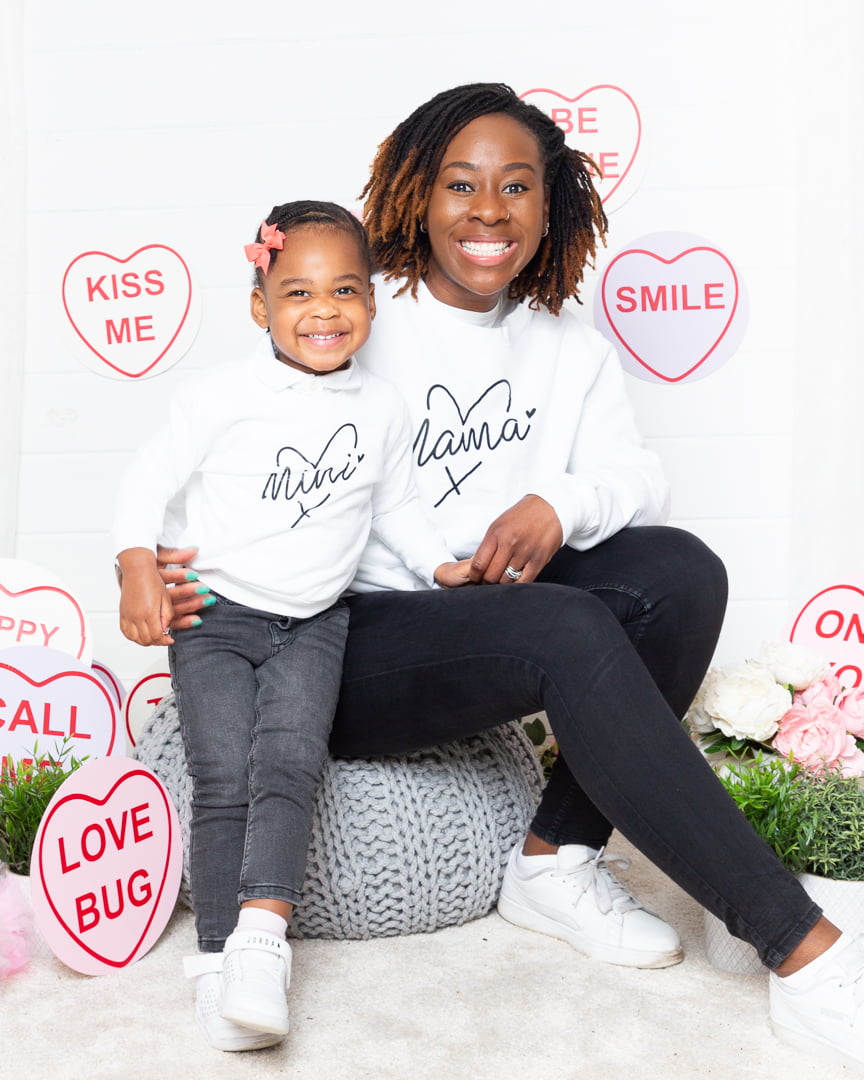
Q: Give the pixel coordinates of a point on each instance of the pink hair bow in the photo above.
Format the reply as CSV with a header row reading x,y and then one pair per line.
x,y
259,254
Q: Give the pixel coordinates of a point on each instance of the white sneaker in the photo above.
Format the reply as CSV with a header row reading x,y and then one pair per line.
x,y
821,1007
256,970
206,969
575,896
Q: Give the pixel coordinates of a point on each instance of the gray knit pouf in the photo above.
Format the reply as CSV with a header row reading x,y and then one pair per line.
x,y
399,845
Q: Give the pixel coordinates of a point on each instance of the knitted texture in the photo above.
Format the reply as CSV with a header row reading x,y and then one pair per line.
x,y
399,845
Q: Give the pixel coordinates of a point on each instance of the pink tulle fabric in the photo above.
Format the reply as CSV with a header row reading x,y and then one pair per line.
x,y
16,927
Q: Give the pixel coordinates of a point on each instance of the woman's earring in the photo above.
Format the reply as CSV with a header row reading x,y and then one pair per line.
x,y
546,230
422,227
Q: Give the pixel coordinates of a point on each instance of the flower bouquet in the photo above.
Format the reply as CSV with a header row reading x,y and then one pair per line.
x,y
786,701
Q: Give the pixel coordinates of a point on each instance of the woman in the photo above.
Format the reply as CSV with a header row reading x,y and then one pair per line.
x,y
482,220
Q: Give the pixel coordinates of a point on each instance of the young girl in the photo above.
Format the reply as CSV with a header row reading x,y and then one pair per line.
x,y
285,460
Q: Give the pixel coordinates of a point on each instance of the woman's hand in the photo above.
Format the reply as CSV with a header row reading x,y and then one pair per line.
x,y
523,539
188,596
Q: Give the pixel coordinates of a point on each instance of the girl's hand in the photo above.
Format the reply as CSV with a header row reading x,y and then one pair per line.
x,y
450,575
145,604
524,538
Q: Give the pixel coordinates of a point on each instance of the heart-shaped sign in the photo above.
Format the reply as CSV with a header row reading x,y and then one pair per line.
x,y
144,696
675,305
112,682
47,699
604,123
36,608
132,315
832,623
106,865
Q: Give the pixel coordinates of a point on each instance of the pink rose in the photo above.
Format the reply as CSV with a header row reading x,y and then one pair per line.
x,y
816,737
825,691
852,707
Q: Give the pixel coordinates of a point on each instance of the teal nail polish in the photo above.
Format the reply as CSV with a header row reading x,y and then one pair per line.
x,y
191,575
209,601
196,622
203,589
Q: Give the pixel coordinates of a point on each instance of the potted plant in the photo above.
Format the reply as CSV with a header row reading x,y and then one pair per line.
x,y
785,738
26,788
813,821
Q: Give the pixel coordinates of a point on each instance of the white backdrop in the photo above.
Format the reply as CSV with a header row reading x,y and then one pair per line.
x,y
184,122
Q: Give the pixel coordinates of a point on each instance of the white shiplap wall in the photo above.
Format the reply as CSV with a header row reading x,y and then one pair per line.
x,y
186,123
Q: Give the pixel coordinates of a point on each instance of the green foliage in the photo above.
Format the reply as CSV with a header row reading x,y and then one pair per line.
x,y
539,735
814,823
535,730
715,742
26,788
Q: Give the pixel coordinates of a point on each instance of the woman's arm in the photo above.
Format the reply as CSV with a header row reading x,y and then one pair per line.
x,y
611,481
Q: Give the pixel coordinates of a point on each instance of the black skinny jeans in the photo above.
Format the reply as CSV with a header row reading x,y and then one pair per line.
x,y
613,644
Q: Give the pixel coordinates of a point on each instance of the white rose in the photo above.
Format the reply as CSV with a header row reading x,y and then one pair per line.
x,y
746,701
793,665
697,718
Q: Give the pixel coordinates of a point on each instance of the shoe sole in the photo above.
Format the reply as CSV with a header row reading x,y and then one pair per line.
x,y
254,1019
255,1040
812,1044
529,919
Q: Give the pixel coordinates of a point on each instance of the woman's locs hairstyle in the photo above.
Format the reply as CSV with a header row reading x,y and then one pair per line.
x,y
407,163
312,214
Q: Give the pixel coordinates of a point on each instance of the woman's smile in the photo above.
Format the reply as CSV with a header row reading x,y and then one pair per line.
x,y
487,252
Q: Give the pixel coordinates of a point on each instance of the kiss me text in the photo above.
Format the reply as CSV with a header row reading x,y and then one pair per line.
x,y
128,286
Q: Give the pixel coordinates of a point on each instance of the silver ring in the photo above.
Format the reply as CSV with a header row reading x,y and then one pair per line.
x,y
514,575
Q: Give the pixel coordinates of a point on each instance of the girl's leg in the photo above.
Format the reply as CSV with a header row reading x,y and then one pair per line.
x,y
215,686
668,591
298,685
255,730
475,657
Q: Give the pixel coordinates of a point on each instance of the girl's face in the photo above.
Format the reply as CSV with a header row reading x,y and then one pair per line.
x,y
316,300
487,212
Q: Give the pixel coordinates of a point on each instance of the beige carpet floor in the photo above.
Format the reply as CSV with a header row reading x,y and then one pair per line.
x,y
484,1001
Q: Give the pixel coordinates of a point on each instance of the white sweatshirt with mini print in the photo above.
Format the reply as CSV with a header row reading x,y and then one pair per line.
x,y
282,475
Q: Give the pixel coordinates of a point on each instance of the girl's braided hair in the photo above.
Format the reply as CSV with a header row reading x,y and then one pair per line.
x,y
322,215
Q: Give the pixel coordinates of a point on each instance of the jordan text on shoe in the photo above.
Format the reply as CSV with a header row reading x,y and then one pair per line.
x,y
579,900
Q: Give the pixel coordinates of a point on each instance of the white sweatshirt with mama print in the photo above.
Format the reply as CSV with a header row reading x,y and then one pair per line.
x,y
504,404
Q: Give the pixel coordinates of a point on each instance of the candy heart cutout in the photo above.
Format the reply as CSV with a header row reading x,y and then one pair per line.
x,y
44,615
832,623
683,329
72,705
148,296
106,866
618,132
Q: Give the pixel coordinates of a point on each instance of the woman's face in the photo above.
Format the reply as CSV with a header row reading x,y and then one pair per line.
x,y
487,212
